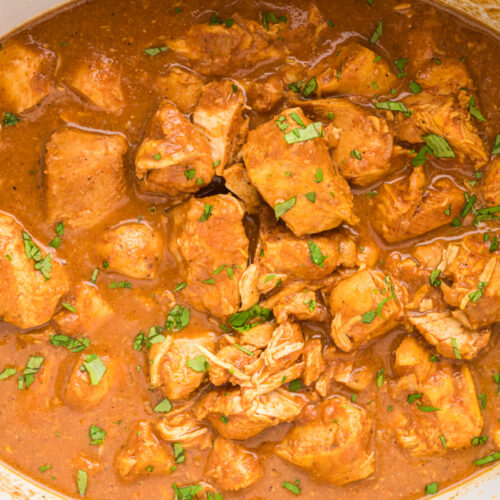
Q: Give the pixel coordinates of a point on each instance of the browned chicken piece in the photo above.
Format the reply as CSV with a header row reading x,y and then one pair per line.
x,y
471,280
429,255
143,455
446,387
216,49
286,256
219,115
169,369
26,76
331,440
353,69
84,176
179,426
28,296
258,336
90,311
231,466
133,249
174,157
356,129
314,364
99,80
224,410
450,337
412,206
444,116
302,306
265,94
181,87
448,78
83,393
490,188
364,306
237,182
287,160
210,243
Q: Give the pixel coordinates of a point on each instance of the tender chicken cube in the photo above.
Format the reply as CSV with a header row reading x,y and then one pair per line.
x,y
442,385
90,311
332,441
364,305
169,369
99,80
231,466
224,410
303,306
216,49
448,78
286,256
219,115
295,174
180,427
133,249
26,76
313,360
471,280
81,392
412,206
28,295
210,243
84,176
237,182
444,116
356,129
174,157
353,69
490,188
265,94
451,338
143,455
181,87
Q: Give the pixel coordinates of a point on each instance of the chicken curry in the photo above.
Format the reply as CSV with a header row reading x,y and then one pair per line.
x,y
249,249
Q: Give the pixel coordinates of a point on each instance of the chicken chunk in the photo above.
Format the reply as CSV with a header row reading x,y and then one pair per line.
x,y
356,129
265,94
90,311
99,80
444,116
491,183
174,157
231,466
237,182
303,306
224,410
84,176
365,305
219,115
353,69
216,49
313,360
412,206
133,249
82,392
471,280
169,369
32,280
180,427
181,87
332,441
286,256
287,160
210,243
143,455
451,338
26,76
448,78
441,385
